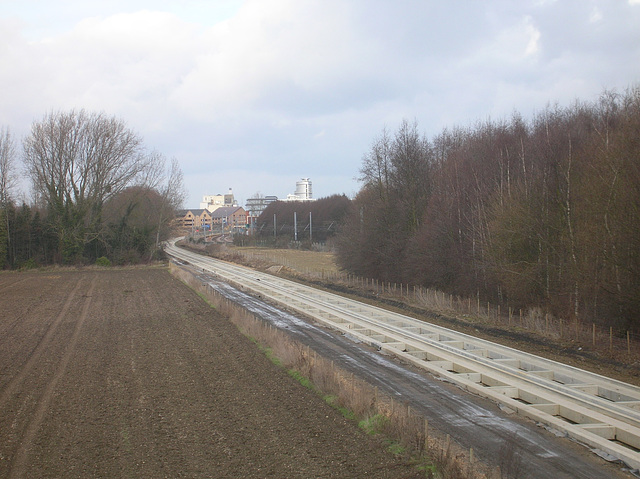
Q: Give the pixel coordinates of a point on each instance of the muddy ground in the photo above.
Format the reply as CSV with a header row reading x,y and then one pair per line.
x,y
127,373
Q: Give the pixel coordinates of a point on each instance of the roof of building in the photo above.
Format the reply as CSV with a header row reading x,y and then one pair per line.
x,y
194,211
225,211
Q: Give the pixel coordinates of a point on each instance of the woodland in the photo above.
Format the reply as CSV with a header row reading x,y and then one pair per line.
x,y
308,221
98,194
540,212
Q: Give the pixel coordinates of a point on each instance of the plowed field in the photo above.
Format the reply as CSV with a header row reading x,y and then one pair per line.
x,y
127,373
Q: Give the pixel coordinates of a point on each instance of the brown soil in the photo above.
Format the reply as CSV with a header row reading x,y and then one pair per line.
x,y
127,373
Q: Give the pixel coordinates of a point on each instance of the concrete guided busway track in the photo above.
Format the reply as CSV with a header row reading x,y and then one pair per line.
x,y
600,412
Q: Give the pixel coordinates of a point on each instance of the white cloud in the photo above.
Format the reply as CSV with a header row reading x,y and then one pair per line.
x,y
595,15
243,92
272,55
513,43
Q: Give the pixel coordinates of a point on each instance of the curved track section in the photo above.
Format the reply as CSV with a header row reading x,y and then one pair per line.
x,y
600,412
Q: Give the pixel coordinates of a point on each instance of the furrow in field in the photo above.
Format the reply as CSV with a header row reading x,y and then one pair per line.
x,y
23,445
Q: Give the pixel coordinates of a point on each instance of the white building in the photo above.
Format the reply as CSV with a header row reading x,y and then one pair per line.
x,y
303,191
213,202
255,206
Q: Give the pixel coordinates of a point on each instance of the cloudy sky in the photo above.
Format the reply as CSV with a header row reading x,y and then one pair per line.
x,y
254,95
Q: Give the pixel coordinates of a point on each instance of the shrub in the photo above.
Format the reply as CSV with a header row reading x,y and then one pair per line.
x,y
103,261
29,264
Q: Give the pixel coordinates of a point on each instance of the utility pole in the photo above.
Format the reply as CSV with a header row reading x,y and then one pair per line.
x,y
295,226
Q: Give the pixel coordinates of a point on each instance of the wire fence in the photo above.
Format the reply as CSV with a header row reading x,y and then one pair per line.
x,y
618,344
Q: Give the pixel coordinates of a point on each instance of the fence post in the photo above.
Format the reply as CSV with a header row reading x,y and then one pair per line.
x,y
352,382
426,435
610,339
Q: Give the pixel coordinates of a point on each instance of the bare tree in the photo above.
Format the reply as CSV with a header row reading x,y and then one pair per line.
x,y
173,194
375,171
7,166
7,184
78,160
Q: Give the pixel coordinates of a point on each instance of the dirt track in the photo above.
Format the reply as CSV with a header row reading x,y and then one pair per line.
x,y
127,373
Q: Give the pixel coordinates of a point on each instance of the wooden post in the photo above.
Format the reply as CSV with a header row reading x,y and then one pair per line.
x,y
426,435
628,344
510,311
353,388
610,339
593,335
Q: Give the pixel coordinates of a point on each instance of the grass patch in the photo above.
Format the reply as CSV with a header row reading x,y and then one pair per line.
x,y
374,424
334,402
397,448
305,381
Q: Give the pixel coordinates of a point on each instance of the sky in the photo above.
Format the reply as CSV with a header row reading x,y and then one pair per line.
x,y
254,95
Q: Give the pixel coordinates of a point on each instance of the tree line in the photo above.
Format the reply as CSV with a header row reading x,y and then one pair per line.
x,y
542,212
96,192
309,221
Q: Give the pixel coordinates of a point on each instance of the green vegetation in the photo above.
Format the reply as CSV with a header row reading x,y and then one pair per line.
x,y
305,381
374,424
103,261
100,193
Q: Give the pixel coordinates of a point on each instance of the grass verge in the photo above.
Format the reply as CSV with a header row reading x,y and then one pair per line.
x,y
406,433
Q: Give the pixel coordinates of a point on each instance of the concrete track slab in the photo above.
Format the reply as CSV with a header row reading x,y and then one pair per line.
x,y
499,438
